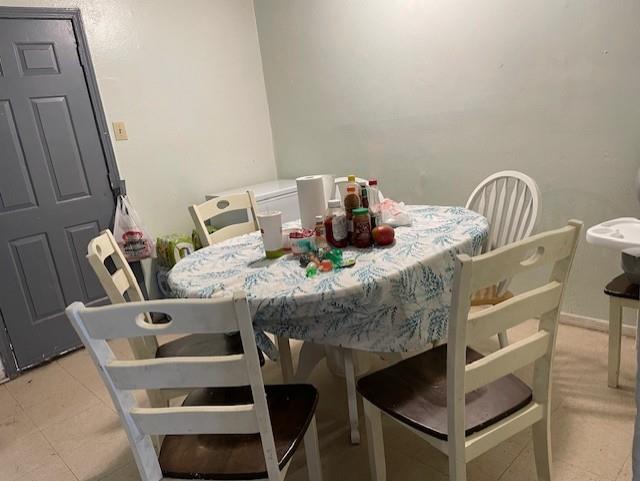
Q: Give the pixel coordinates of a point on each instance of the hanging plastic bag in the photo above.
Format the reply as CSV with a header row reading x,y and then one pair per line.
x,y
132,237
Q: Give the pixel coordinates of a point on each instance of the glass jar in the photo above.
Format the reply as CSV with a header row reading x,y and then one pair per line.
x,y
335,224
361,228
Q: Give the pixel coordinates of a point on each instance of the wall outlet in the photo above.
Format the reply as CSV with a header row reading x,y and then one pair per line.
x,y
120,131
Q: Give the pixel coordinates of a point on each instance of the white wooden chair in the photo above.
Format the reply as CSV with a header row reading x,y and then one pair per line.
x,y
251,430
510,201
121,286
461,402
201,213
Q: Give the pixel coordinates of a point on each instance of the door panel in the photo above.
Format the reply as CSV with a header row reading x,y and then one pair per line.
x,y
54,189
16,189
60,147
38,277
78,238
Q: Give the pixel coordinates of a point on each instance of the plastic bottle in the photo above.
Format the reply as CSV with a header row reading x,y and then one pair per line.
x,y
374,203
335,224
364,195
351,182
321,239
351,201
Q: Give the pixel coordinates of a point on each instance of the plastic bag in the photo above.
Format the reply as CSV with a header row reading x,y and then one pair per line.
x,y
130,234
393,213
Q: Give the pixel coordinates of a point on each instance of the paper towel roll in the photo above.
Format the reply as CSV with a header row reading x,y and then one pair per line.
x,y
311,199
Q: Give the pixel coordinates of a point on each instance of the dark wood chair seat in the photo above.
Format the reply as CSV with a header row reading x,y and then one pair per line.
x,y
414,391
621,286
204,345
239,456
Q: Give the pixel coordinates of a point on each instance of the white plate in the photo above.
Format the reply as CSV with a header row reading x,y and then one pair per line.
x,y
618,234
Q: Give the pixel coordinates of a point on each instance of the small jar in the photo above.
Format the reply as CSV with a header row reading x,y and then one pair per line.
x,y
361,228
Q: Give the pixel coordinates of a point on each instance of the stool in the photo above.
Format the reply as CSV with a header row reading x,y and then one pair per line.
x,y
622,293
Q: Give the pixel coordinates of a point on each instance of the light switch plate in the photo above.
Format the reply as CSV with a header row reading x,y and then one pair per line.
x,y
120,131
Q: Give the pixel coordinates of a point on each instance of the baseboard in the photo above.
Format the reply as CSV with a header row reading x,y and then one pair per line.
x,y
593,323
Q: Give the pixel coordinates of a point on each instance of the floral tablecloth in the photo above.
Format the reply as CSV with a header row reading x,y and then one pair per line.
x,y
394,299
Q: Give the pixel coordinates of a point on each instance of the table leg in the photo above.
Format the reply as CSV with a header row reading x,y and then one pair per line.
x,y
310,355
352,395
286,363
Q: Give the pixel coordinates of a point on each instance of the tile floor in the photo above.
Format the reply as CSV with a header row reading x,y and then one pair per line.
x,y
57,423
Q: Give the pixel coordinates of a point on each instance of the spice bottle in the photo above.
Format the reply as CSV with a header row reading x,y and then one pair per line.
x,y
361,228
335,224
321,239
374,203
351,201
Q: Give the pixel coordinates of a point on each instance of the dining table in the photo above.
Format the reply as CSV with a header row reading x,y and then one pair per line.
x,y
394,299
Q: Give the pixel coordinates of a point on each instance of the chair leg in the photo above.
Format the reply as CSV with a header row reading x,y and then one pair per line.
x,y
352,397
615,339
503,339
375,442
312,451
286,363
542,447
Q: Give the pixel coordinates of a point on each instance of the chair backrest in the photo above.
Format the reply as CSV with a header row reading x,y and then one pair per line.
x,y
510,201
201,213
340,190
187,316
121,285
554,249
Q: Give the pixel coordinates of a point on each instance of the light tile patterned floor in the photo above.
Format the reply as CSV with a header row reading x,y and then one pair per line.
x,y
57,424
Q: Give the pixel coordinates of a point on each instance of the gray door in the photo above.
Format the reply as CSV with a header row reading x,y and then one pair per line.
x,y
54,189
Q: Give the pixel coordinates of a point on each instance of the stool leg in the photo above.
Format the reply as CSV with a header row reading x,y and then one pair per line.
x,y
615,333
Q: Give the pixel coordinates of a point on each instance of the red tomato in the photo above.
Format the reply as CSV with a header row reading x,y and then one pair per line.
x,y
383,235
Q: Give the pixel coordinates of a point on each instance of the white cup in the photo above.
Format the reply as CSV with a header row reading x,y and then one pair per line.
x,y
270,223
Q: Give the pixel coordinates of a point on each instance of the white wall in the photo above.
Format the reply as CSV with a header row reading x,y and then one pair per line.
x,y
186,77
432,96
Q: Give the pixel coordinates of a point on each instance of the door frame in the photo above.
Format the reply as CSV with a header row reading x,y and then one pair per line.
x,y
116,183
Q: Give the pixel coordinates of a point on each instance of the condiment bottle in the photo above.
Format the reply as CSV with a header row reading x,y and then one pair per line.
x,y
351,201
374,203
364,197
335,224
361,228
321,239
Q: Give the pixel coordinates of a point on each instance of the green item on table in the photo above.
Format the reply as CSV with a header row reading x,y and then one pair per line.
x,y
335,256
312,269
348,263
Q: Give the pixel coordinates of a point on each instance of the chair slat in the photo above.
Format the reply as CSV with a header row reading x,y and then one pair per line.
x,y
233,230
506,360
480,442
237,419
193,316
182,372
211,208
528,305
120,281
505,262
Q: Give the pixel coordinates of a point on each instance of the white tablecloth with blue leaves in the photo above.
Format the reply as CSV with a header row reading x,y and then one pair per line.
x,y
394,299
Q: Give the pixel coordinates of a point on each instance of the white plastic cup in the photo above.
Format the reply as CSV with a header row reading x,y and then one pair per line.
x,y
270,223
